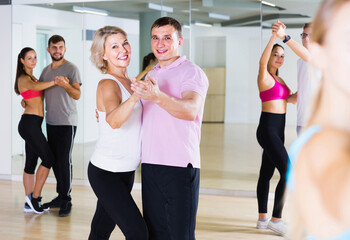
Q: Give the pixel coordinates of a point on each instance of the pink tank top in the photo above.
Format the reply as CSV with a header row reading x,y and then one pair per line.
x,y
278,91
31,93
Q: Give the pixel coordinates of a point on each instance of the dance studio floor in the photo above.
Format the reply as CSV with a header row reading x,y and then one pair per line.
x,y
227,209
219,217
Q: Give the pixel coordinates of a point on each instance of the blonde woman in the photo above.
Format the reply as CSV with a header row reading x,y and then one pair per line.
x,y
117,153
321,155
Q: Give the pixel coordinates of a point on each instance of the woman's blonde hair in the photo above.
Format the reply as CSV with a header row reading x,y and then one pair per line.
x,y
321,23
98,46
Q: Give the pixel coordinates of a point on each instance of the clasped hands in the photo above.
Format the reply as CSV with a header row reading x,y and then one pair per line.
x,y
279,30
61,81
146,89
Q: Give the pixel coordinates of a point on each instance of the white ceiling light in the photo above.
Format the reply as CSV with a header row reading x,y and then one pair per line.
x,y
90,10
159,7
218,16
202,24
268,4
192,10
265,24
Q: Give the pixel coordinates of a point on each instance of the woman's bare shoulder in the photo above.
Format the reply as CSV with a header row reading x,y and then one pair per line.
x,y
25,78
327,141
326,160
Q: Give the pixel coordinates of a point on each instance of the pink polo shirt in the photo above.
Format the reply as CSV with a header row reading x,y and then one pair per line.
x,y
167,140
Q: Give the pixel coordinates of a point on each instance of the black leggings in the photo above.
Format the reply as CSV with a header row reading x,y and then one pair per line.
x,y
115,205
36,144
270,135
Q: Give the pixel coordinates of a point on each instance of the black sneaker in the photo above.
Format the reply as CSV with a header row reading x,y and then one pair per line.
x,y
65,209
34,203
46,208
55,203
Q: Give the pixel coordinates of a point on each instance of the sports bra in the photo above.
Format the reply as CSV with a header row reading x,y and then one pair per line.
x,y
278,91
31,93
293,154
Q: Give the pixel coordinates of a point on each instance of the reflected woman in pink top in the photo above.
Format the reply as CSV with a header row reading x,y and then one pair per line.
x,y
29,128
274,95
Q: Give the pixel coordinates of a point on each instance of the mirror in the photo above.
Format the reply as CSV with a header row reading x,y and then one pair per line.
x,y
33,25
225,38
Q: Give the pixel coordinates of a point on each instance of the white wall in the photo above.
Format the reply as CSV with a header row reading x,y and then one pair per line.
x,y
6,89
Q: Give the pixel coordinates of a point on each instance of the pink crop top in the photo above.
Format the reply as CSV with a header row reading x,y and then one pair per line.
x,y
31,93
278,91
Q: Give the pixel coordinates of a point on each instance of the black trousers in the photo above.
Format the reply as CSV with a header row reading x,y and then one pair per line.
x,y
115,205
61,140
36,144
170,201
270,135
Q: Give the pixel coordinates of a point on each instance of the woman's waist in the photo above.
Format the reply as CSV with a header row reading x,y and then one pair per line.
x,y
118,146
274,106
116,159
34,109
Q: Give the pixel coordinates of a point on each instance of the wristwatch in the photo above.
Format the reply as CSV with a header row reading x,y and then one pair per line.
x,y
286,39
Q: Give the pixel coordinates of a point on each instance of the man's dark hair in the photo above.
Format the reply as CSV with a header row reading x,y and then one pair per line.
x,y
163,21
55,39
306,25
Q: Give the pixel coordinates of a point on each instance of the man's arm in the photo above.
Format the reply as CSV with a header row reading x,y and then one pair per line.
x,y
297,48
73,89
185,108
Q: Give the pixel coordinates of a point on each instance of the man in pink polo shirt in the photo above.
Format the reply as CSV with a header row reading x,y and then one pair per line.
x,y
173,100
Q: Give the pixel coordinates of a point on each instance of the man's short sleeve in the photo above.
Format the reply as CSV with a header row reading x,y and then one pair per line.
x,y
75,76
195,80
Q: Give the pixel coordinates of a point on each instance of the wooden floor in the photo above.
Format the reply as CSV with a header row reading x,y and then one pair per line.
x,y
219,217
230,157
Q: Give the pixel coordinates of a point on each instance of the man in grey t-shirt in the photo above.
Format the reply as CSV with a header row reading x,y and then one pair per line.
x,y
61,119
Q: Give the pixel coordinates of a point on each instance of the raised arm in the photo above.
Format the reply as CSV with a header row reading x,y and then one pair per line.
x,y
265,59
297,48
109,94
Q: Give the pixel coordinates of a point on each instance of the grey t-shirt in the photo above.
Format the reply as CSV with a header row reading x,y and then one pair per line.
x,y
60,107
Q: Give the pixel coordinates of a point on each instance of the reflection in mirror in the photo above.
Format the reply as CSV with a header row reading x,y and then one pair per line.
x,y
294,16
231,156
33,25
225,38
222,37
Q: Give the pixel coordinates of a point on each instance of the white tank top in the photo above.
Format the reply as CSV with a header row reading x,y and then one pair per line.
x,y
119,150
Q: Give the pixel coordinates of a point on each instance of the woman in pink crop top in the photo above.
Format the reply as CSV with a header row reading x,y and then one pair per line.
x,y
30,129
274,95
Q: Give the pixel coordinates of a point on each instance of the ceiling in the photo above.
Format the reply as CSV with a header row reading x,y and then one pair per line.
x,y
294,13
